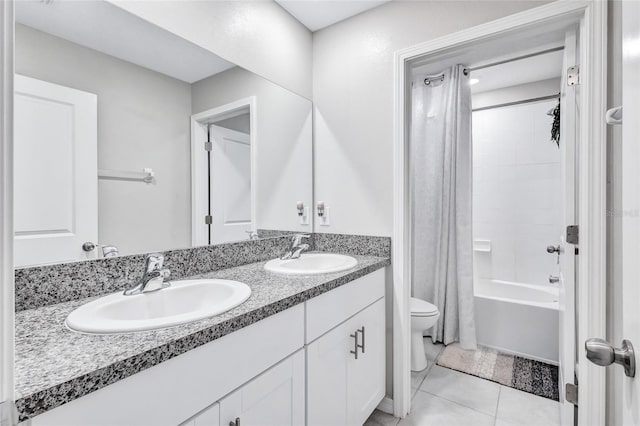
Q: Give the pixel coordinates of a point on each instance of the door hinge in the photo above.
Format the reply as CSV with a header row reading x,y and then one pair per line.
x,y
573,75
573,234
208,219
8,413
571,393
208,146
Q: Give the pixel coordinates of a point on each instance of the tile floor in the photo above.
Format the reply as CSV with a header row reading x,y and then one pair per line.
x,y
444,397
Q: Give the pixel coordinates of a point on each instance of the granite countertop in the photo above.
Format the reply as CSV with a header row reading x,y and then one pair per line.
x,y
54,365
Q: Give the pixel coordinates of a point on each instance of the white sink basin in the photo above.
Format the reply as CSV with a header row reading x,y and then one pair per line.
x,y
311,264
182,302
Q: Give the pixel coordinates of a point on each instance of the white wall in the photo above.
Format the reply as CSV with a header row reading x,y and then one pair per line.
x,y
516,193
284,143
143,121
257,35
353,102
504,95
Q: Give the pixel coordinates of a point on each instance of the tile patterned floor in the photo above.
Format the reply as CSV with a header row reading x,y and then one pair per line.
x,y
444,397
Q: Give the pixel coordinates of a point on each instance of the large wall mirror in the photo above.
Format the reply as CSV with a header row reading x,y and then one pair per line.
x,y
129,139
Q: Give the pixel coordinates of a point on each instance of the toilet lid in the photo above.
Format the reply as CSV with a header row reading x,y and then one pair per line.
x,y
421,307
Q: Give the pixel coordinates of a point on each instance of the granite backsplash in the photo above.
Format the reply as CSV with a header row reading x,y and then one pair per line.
x,y
50,284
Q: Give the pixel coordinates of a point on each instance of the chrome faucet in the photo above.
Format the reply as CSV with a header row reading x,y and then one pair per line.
x,y
296,248
153,277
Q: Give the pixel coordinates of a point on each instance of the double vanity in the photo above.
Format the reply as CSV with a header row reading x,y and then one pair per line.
x,y
282,342
157,142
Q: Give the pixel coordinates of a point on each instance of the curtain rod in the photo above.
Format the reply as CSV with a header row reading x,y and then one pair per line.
x,y
524,101
517,58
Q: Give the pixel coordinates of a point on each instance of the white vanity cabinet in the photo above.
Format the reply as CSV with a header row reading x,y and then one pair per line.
x,y
346,382
317,363
346,364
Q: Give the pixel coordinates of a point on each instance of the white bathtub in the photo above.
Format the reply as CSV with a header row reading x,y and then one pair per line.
x,y
520,319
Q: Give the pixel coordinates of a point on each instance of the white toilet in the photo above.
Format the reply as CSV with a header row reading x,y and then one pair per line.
x,y
423,316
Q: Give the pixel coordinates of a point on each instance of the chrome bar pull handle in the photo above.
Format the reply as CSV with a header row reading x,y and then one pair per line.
x,y
600,352
361,346
355,344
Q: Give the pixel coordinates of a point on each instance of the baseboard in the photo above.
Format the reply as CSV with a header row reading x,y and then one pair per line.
x,y
386,405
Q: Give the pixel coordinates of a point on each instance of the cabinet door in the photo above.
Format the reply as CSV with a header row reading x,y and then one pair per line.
x,y
343,390
366,375
327,364
274,398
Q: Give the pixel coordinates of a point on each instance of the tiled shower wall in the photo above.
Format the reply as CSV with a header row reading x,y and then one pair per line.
x,y
517,198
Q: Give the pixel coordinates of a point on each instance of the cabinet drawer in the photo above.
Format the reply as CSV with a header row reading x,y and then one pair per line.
x,y
334,307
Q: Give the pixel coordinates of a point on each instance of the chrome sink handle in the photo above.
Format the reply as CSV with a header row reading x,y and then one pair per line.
x,y
153,276
296,248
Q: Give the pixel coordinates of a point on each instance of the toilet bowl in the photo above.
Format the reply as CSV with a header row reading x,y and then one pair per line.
x,y
423,316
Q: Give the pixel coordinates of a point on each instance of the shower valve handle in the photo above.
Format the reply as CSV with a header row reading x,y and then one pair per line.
x,y
553,249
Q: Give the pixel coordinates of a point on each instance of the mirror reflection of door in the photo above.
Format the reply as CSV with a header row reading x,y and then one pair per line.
x,y
230,177
223,175
55,164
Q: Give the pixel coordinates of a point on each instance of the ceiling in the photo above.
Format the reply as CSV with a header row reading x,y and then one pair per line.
x,y
529,70
108,29
317,14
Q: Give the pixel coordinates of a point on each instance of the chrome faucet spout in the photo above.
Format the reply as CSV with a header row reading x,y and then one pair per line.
x,y
296,248
153,277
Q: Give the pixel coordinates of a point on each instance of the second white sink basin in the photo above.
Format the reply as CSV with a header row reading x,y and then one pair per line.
x,y
312,264
182,302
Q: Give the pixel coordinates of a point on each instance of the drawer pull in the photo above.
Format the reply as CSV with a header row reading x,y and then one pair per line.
x,y
361,330
235,423
355,344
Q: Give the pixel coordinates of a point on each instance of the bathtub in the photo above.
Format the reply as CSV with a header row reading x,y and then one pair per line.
x,y
520,319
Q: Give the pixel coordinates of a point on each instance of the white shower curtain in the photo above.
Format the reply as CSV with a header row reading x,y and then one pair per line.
x,y
440,168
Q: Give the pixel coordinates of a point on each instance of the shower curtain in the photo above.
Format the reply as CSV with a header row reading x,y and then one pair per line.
x,y
440,182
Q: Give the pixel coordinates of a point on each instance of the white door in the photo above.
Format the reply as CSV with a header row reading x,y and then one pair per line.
x,y
230,185
274,398
629,393
55,172
567,258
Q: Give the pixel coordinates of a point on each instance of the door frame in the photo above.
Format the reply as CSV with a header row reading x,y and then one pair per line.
x,y
6,206
591,16
199,174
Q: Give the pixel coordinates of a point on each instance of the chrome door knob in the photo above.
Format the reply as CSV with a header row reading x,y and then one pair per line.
x,y
553,249
600,352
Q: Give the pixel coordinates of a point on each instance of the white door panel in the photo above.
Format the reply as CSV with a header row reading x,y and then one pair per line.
x,y
230,185
55,172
